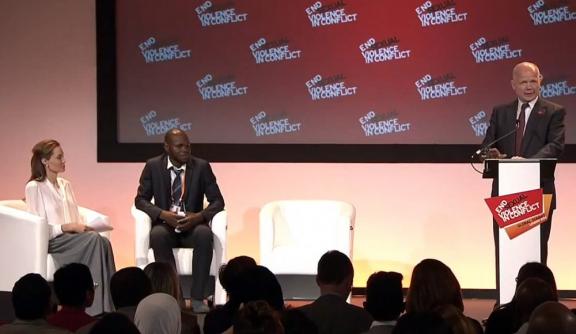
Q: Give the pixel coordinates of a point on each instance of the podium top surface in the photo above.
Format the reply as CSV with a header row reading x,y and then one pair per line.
x,y
547,166
515,161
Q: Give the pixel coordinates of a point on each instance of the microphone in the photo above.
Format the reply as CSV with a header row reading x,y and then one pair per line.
x,y
506,135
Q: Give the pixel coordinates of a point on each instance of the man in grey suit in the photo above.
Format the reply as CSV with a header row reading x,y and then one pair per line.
x,y
330,312
540,133
178,183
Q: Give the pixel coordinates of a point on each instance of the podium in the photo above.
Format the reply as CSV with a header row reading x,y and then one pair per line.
x,y
512,176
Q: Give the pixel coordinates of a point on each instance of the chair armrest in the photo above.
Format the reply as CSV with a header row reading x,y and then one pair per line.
x,y
219,226
142,225
23,245
91,216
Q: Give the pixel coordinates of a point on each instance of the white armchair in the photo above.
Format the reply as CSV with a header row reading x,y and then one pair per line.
x,y
294,234
183,256
24,242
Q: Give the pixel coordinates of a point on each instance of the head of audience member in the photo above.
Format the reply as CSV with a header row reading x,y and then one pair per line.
x,y
552,317
128,286
46,154
158,313
526,81
433,284
384,299
114,323
335,274
538,270
531,293
177,146
31,297
422,323
163,278
259,283
230,273
74,286
456,320
257,317
295,321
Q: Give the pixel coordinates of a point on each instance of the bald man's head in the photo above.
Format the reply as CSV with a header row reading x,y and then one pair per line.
x,y
526,81
552,317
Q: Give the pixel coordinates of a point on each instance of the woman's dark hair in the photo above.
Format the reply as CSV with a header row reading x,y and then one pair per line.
x,y
42,150
257,317
433,284
259,283
539,270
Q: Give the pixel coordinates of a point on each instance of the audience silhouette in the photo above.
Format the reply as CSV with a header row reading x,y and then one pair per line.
x,y
149,301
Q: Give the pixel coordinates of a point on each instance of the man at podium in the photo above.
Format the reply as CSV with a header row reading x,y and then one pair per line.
x,y
528,127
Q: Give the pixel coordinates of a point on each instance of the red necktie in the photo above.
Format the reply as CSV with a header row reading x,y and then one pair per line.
x,y
520,128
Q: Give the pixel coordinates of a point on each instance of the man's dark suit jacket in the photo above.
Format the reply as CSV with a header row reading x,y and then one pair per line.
x,y
333,315
155,182
543,137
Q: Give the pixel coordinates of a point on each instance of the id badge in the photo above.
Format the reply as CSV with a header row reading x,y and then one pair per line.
x,y
175,208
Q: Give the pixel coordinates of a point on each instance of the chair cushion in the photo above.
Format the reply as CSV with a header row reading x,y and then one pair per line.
x,y
294,260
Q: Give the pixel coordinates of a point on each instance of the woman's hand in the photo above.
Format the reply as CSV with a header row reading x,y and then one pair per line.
x,y
75,228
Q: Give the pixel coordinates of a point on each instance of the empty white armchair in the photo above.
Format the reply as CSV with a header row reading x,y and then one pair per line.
x,y
294,234
183,256
24,242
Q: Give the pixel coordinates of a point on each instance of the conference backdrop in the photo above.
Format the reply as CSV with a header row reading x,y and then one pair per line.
x,y
333,72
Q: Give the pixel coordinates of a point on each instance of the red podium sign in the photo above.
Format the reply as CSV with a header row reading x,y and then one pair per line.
x,y
520,212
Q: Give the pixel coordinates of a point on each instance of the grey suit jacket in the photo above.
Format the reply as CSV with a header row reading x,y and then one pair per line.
x,y
333,315
543,138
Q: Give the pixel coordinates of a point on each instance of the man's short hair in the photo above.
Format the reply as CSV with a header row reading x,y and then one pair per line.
x,y
31,297
384,299
334,267
71,283
128,286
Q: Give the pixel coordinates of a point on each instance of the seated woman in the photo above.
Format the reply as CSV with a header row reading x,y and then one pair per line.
x,y
435,288
51,197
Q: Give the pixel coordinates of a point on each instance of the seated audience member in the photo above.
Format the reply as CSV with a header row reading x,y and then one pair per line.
x,y
164,278
433,285
159,313
501,320
253,283
114,323
74,289
128,287
257,317
259,283
529,295
220,318
31,303
384,301
456,320
70,241
330,312
424,322
552,317
295,322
